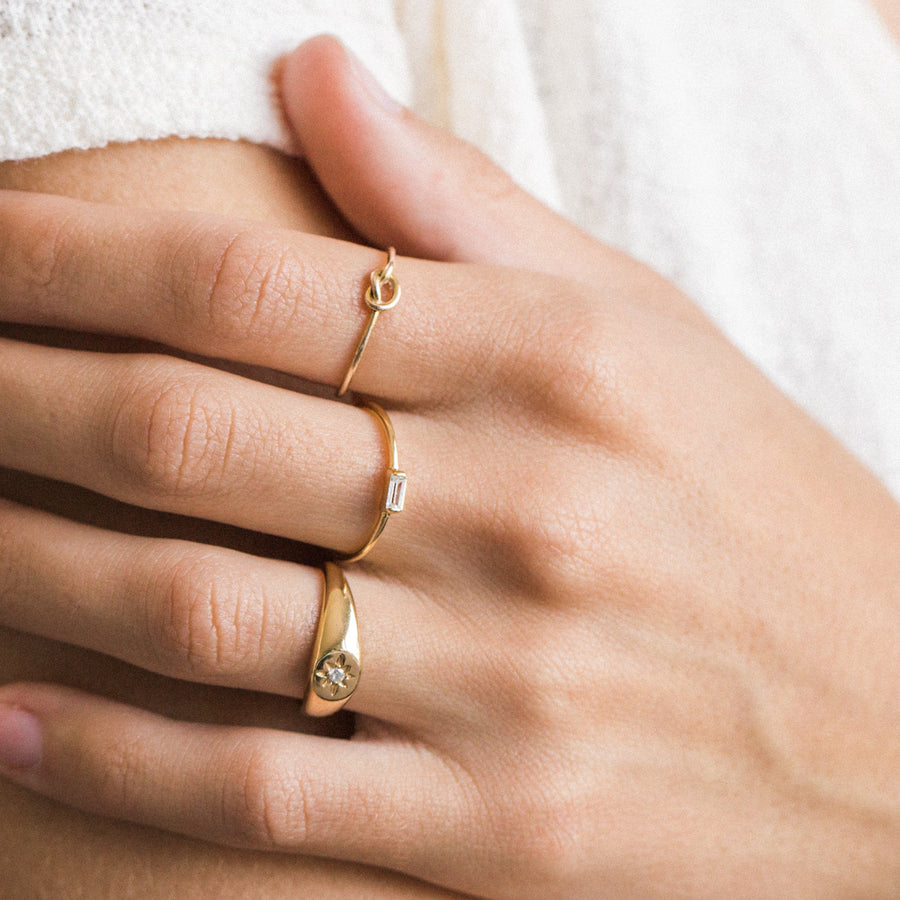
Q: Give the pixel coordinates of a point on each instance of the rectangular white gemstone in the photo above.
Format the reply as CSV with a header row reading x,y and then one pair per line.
x,y
396,492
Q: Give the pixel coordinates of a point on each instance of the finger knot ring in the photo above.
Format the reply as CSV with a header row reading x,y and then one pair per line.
x,y
377,301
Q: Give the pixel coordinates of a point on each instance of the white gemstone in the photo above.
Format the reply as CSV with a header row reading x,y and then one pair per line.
x,y
396,492
336,675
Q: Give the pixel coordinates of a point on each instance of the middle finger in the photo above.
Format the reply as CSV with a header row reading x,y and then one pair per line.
x,y
172,435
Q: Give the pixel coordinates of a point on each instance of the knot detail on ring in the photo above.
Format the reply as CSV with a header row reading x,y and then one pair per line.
x,y
377,304
378,278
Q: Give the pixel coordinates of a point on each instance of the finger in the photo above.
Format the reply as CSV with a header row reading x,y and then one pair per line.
x,y
176,436
415,173
399,180
207,614
248,293
245,787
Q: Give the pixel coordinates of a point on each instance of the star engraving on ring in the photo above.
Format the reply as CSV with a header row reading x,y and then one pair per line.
x,y
336,675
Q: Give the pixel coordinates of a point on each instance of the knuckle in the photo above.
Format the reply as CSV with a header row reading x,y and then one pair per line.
x,y
553,546
535,535
173,435
544,830
250,285
551,846
563,357
269,807
483,176
13,559
43,245
574,376
540,697
210,618
546,535
547,829
242,287
124,775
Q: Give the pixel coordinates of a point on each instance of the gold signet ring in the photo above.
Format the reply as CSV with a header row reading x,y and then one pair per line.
x,y
335,669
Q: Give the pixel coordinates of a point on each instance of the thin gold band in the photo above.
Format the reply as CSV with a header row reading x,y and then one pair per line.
x,y
335,669
395,485
378,278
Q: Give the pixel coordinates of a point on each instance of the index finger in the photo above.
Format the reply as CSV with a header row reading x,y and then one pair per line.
x,y
241,291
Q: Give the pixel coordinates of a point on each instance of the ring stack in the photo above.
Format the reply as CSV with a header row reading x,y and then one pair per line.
x,y
335,661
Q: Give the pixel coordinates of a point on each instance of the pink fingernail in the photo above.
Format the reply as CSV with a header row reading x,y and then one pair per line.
x,y
21,740
371,85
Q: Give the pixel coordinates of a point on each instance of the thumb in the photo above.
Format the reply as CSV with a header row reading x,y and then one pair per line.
x,y
401,181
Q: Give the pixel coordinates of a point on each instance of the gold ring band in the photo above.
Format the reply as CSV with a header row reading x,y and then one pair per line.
x,y
395,485
377,304
335,670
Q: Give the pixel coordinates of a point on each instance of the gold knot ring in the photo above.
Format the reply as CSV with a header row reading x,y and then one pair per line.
x,y
377,303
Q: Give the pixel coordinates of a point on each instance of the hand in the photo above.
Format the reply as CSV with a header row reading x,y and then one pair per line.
x,y
633,635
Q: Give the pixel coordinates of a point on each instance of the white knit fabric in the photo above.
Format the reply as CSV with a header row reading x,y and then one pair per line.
x,y
749,151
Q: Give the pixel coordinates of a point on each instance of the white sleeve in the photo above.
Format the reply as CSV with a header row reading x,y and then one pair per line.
x,y
83,73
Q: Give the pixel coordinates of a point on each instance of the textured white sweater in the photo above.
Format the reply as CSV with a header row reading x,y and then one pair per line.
x,y
748,150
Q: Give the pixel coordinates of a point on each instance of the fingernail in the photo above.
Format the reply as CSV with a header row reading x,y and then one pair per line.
x,y
21,741
371,85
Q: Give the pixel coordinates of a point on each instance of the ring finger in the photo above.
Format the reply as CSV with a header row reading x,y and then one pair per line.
x,y
206,614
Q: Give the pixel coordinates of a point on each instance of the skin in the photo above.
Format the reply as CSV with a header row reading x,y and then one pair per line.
x,y
46,849
889,10
694,689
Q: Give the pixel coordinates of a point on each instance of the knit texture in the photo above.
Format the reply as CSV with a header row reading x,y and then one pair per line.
x,y
750,152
